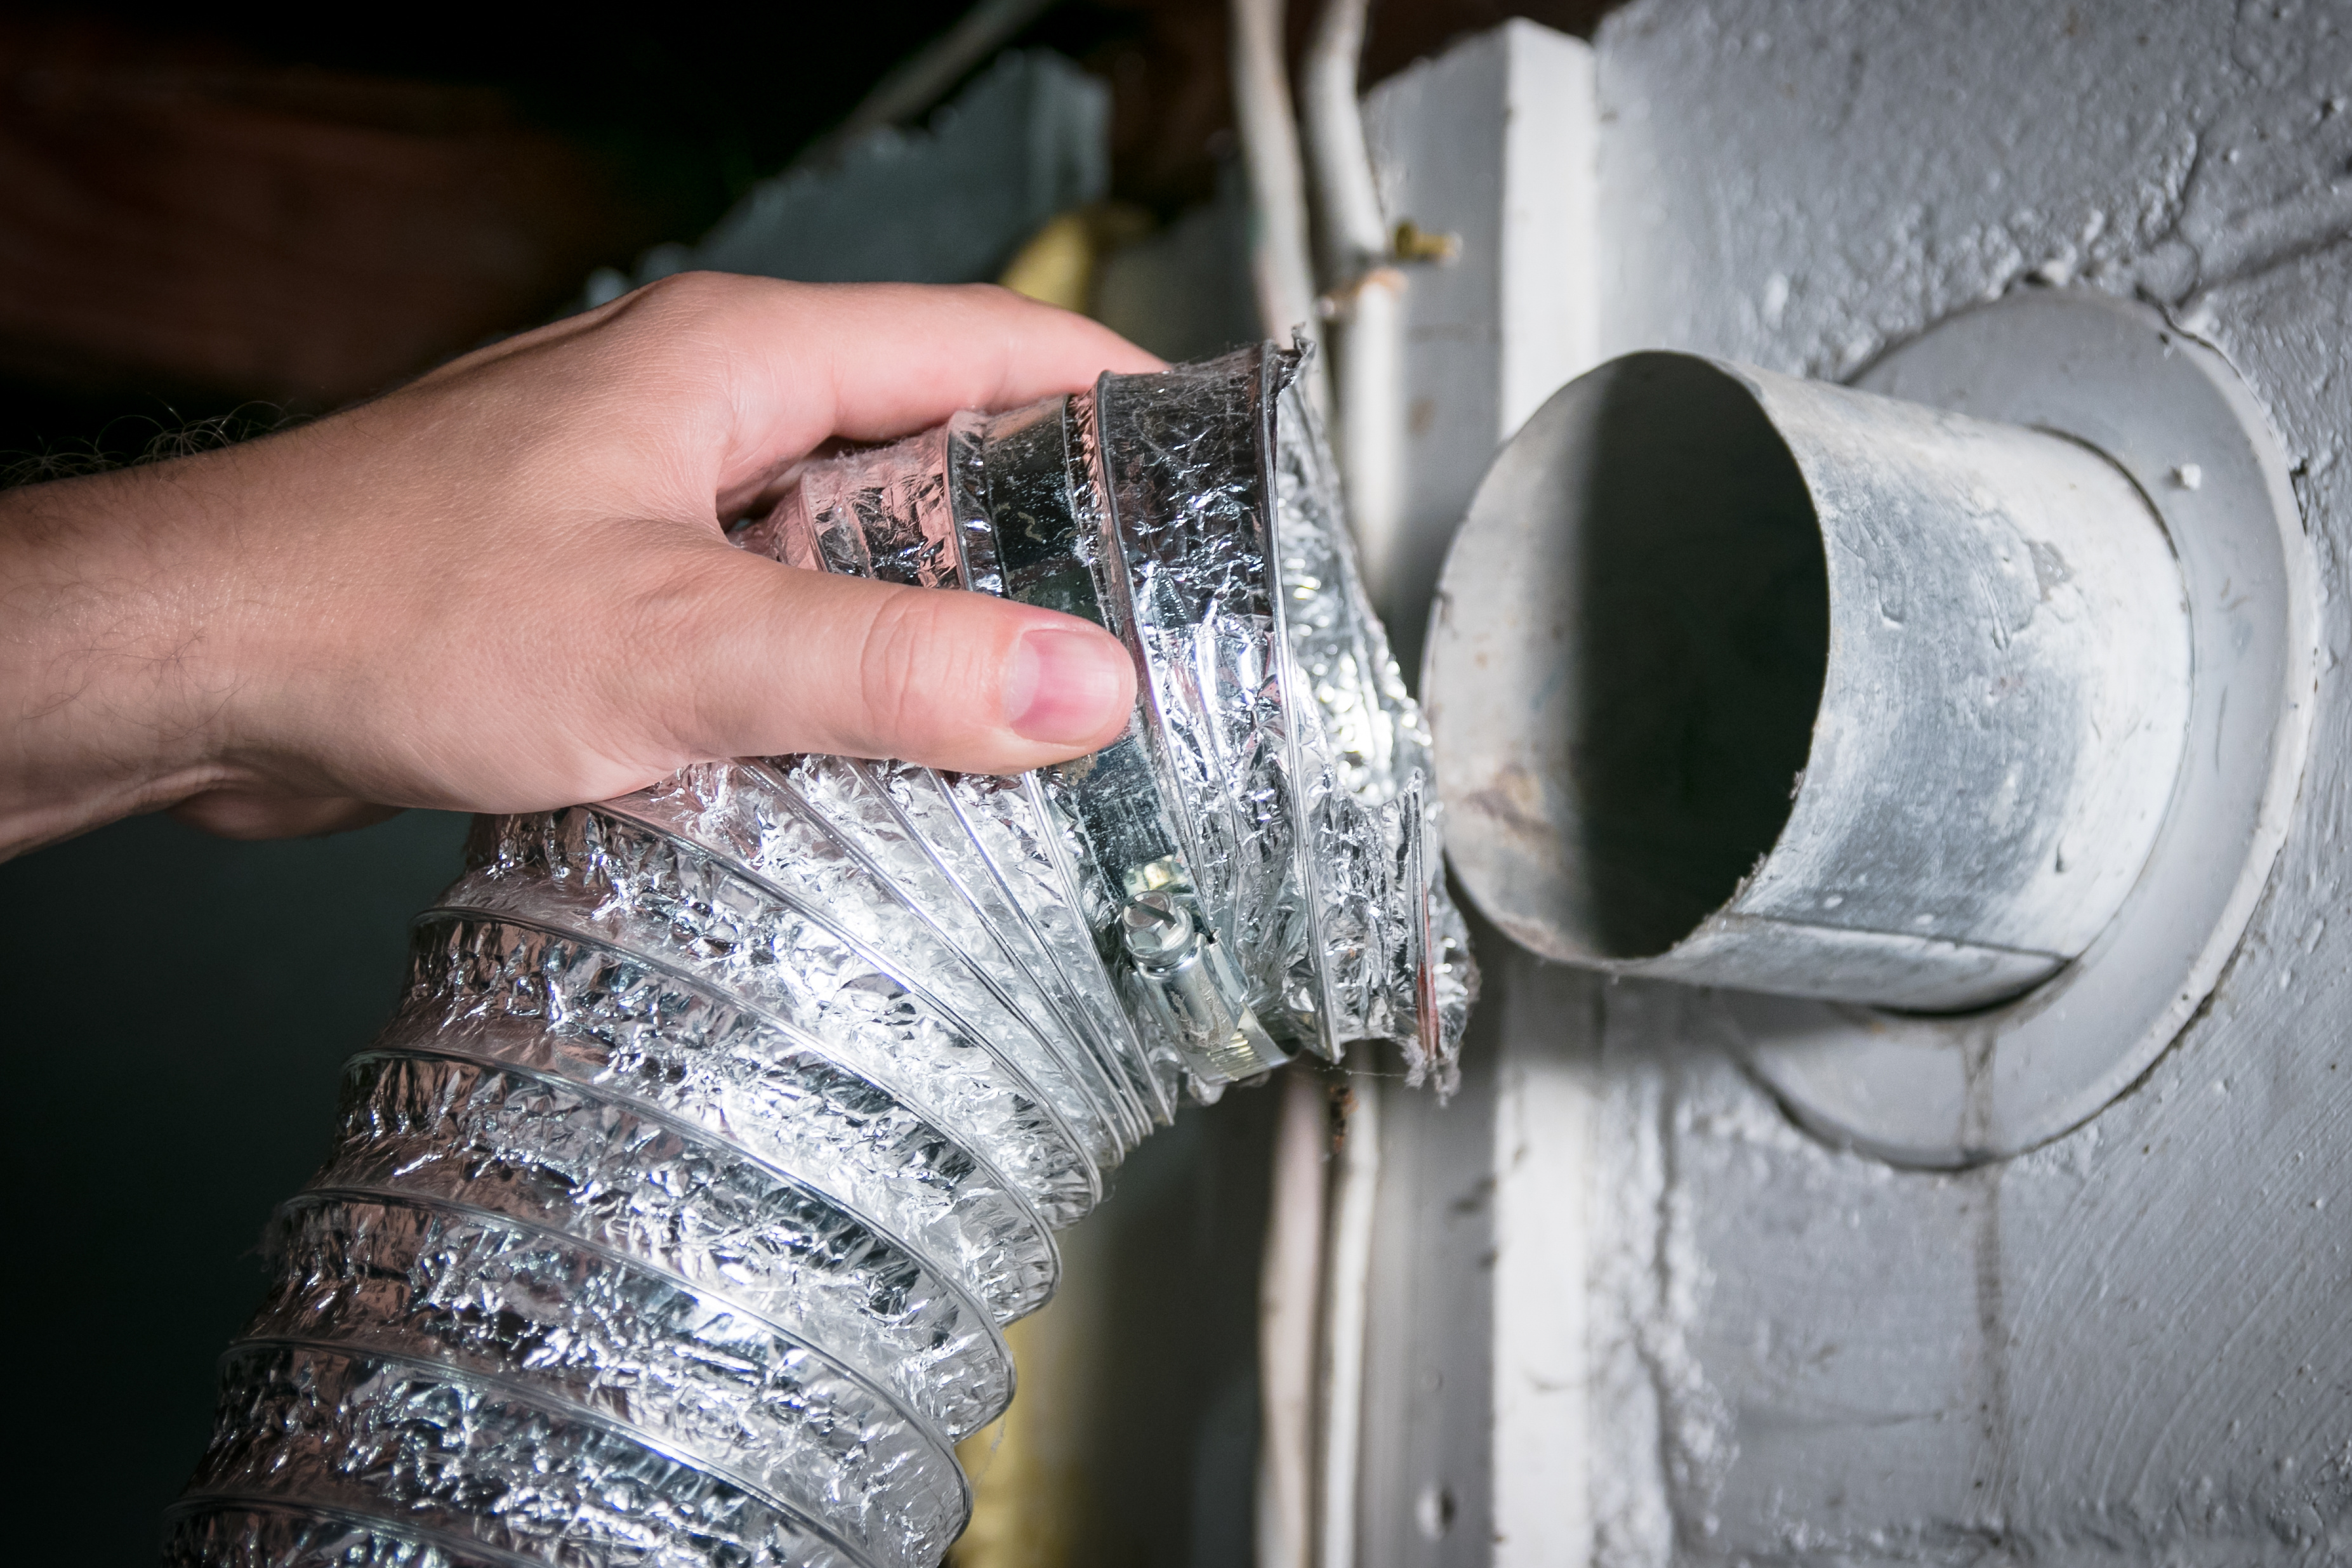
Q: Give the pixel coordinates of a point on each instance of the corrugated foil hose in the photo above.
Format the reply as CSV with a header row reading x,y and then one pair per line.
x,y
675,1217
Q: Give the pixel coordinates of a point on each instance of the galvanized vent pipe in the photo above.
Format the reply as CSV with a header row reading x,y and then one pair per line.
x,y
675,1217
1777,685
1945,727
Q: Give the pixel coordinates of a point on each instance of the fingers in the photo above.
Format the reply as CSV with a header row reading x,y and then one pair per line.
x,y
778,660
811,361
895,358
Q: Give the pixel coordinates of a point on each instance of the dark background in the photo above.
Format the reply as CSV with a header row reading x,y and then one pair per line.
x,y
212,222
273,211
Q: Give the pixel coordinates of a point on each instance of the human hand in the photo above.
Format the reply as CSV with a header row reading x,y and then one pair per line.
x,y
505,587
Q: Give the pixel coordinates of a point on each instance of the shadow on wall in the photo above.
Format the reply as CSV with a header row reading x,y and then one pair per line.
x,y
1703,633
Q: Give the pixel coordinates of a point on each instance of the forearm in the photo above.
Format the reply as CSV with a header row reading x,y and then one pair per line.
x,y
107,676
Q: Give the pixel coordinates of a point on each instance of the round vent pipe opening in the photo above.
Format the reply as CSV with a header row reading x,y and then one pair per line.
x,y
1686,598
1945,727
1811,692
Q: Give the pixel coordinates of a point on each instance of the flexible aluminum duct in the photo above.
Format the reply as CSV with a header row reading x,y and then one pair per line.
x,y
674,1218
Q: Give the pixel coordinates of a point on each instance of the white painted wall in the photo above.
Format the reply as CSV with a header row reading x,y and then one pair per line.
x,y
2134,1346
1494,143
2131,1346
1474,1404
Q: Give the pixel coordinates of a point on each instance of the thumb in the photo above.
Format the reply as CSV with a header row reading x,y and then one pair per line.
x,y
784,660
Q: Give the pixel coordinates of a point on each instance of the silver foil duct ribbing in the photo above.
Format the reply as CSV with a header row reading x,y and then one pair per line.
x,y
676,1215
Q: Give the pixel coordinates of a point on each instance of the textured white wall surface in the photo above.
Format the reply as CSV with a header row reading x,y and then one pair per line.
x,y
2135,1345
1473,1405
1493,143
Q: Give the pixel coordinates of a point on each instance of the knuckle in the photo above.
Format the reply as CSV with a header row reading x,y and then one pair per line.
x,y
680,630
689,291
916,666
687,302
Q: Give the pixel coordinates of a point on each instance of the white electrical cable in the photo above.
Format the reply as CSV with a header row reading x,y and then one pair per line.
x,y
1279,264
1347,1304
1317,1266
1363,296
1289,1281
1353,233
1365,304
1288,1289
